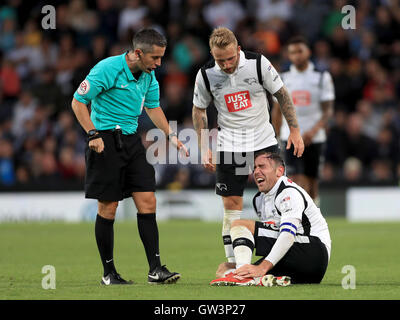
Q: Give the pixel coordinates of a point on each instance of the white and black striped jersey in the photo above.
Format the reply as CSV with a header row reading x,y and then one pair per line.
x,y
308,89
287,200
241,101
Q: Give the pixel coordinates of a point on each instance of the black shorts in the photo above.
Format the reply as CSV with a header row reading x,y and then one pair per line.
x,y
308,164
114,174
233,170
305,262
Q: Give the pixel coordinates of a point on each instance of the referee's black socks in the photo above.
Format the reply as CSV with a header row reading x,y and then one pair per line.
x,y
104,232
148,232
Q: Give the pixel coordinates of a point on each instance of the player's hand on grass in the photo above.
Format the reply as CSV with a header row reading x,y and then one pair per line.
x,y
250,270
297,141
97,145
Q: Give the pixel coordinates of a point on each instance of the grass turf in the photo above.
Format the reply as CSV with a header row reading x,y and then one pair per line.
x,y
193,248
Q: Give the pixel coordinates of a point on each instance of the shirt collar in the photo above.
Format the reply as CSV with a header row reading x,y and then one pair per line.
x,y
310,67
275,187
126,68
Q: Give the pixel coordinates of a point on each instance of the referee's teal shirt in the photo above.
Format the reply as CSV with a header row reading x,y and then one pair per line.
x,y
117,97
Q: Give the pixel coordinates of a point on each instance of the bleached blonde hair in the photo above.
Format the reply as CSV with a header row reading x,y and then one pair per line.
x,y
222,37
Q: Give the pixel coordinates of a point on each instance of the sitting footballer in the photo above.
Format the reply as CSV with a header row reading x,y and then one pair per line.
x,y
291,235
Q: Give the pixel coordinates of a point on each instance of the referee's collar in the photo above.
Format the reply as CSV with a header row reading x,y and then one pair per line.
x,y
126,68
310,67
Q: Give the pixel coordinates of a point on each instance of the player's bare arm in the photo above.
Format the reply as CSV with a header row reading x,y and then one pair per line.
x,y
288,111
157,116
82,115
276,118
327,112
200,122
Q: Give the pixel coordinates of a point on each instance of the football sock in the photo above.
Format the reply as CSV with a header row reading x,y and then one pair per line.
x,y
104,232
148,232
229,216
243,245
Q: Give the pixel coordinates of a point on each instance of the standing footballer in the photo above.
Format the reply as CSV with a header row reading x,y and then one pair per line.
x,y
313,95
118,88
239,83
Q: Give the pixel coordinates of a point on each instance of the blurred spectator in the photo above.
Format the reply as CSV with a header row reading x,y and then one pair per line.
x,y
352,170
49,92
304,9
7,174
372,119
268,9
10,81
131,18
24,110
355,143
334,19
223,13
7,35
322,54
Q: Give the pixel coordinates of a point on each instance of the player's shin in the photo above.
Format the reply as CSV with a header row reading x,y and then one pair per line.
x,y
229,217
243,245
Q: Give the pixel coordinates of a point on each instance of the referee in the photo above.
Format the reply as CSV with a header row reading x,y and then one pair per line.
x,y
118,88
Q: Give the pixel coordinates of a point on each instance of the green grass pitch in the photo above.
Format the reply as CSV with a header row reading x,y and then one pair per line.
x,y
193,248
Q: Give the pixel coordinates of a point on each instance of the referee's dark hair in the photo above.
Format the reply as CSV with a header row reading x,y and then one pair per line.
x,y
297,40
145,39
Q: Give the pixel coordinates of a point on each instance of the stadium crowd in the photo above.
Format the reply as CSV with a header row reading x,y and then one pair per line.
x,y
42,145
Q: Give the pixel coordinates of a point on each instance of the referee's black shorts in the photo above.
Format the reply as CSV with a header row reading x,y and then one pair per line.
x,y
113,175
233,168
308,164
305,262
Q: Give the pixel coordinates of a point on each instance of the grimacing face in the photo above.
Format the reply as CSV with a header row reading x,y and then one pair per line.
x,y
151,60
227,58
266,173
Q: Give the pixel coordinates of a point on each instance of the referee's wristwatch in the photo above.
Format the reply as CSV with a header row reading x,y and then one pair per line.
x,y
172,134
93,134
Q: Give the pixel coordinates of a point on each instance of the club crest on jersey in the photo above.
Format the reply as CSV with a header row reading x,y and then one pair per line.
x,y
222,186
250,81
84,87
238,101
218,86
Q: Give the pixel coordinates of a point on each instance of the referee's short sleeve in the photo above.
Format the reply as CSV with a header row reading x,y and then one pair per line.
x,y
96,81
271,79
201,96
328,89
152,98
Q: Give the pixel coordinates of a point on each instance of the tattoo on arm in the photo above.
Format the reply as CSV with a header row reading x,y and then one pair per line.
x,y
200,120
287,107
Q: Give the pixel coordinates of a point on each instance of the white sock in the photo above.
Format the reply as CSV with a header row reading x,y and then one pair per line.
x,y
229,216
243,245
